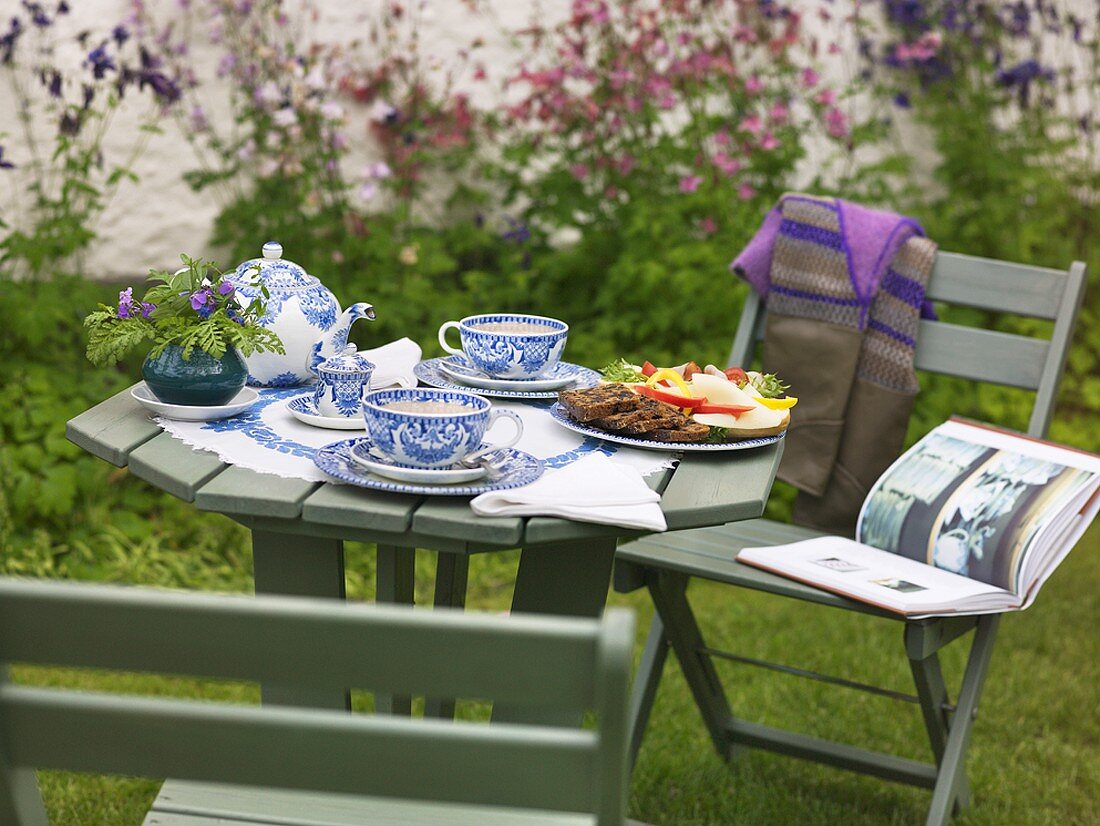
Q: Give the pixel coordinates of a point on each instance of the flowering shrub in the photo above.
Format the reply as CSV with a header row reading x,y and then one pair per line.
x,y
69,180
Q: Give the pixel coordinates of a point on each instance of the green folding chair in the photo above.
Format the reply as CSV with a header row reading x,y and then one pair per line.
x,y
299,765
664,564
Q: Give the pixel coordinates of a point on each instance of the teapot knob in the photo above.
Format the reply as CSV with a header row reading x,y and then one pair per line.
x,y
273,249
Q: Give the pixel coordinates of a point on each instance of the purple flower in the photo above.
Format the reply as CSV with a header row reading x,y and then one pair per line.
x,y
5,164
120,34
8,41
205,311
518,232
54,85
200,298
147,309
126,308
38,14
901,100
101,62
225,288
62,7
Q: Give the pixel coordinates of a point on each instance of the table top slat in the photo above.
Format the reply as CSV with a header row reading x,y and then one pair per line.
x,y
174,466
112,428
237,490
349,506
711,489
451,517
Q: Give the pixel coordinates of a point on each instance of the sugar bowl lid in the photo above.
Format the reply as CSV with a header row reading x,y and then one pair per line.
x,y
349,361
272,271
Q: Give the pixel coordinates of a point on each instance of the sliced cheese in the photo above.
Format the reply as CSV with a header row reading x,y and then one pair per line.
x,y
719,390
759,418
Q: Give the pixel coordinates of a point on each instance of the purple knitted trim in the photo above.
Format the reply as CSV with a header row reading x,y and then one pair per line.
x,y
827,299
830,204
903,288
904,224
886,329
811,234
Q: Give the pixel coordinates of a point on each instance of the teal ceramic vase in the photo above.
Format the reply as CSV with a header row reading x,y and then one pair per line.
x,y
200,380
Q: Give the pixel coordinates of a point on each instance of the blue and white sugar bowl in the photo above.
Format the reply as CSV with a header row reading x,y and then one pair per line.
x,y
341,382
301,310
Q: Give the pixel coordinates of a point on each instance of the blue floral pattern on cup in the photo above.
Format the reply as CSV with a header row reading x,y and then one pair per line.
x,y
431,439
509,355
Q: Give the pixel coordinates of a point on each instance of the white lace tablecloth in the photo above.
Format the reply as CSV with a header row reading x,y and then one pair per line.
x,y
268,439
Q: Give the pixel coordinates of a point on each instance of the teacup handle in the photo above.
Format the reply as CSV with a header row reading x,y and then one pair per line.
x,y
443,338
497,414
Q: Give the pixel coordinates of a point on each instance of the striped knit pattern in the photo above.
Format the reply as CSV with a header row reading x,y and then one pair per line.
x,y
809,272
886,357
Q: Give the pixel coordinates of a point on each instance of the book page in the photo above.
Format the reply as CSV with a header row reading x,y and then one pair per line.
x,y
878,577
971,500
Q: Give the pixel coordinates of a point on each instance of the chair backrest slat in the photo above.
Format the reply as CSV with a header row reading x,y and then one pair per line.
x,y
973,353
571,664
276,640
301,748
999,286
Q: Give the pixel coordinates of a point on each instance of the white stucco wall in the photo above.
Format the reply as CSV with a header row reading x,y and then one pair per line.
x,y
149,223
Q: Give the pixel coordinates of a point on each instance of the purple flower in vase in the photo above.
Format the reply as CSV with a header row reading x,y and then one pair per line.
x,y
225,288
205,312
126,308
147,309
201,298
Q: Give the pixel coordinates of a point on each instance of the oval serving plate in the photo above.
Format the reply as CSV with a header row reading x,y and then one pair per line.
x,y
561,417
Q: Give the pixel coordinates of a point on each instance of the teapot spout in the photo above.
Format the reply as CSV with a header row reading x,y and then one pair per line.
x,y
335,340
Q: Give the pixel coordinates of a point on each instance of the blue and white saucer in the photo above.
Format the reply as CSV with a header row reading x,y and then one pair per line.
x,y
455,373
304,410
516,470
368,457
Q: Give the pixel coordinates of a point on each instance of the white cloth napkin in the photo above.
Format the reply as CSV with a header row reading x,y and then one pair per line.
x,y
592,489
394,362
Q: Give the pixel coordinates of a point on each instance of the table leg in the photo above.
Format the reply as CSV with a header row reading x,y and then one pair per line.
x,y
451,572
395,581
569,578
297,565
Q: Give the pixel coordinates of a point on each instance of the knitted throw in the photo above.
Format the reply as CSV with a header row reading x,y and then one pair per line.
x,y
845,289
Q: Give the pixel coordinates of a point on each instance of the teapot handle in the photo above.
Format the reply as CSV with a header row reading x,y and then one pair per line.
x,y
335,340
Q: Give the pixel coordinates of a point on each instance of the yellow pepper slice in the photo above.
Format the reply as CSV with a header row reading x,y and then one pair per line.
x,y
667,374
785,403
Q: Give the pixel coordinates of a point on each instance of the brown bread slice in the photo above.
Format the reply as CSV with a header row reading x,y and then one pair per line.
x,y
690,432
598,402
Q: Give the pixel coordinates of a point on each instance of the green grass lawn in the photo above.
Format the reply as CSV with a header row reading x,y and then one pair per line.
x,y
1034,758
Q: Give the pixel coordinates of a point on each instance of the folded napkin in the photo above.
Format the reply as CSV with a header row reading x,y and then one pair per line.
x,y
592,489
394,363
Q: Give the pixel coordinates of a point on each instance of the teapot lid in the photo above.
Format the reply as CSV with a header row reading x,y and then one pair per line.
x,y
272,271
349,361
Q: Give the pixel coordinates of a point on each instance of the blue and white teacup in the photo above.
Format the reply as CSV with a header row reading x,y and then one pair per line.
x,y
509,345
428,428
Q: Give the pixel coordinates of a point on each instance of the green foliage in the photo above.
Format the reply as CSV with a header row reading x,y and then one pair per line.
x,y
168,317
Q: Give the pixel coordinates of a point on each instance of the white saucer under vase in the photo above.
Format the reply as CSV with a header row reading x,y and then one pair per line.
x,y
193,413
304,410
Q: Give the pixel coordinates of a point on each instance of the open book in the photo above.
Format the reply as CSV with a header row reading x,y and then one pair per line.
x,y
970,520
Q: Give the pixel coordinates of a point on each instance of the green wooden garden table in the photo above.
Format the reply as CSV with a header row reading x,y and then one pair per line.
x,y
298,527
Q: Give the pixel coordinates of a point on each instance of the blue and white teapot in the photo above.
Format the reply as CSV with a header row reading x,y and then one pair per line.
x,y
303,313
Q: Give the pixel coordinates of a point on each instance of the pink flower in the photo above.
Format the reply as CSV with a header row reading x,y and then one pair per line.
x,y
836,122
579,171
625,164
367,191
826,97
708,226
722,137
751,124
332,111
769,142
726,164
779,112
690,183
810,78
745,192
753,85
